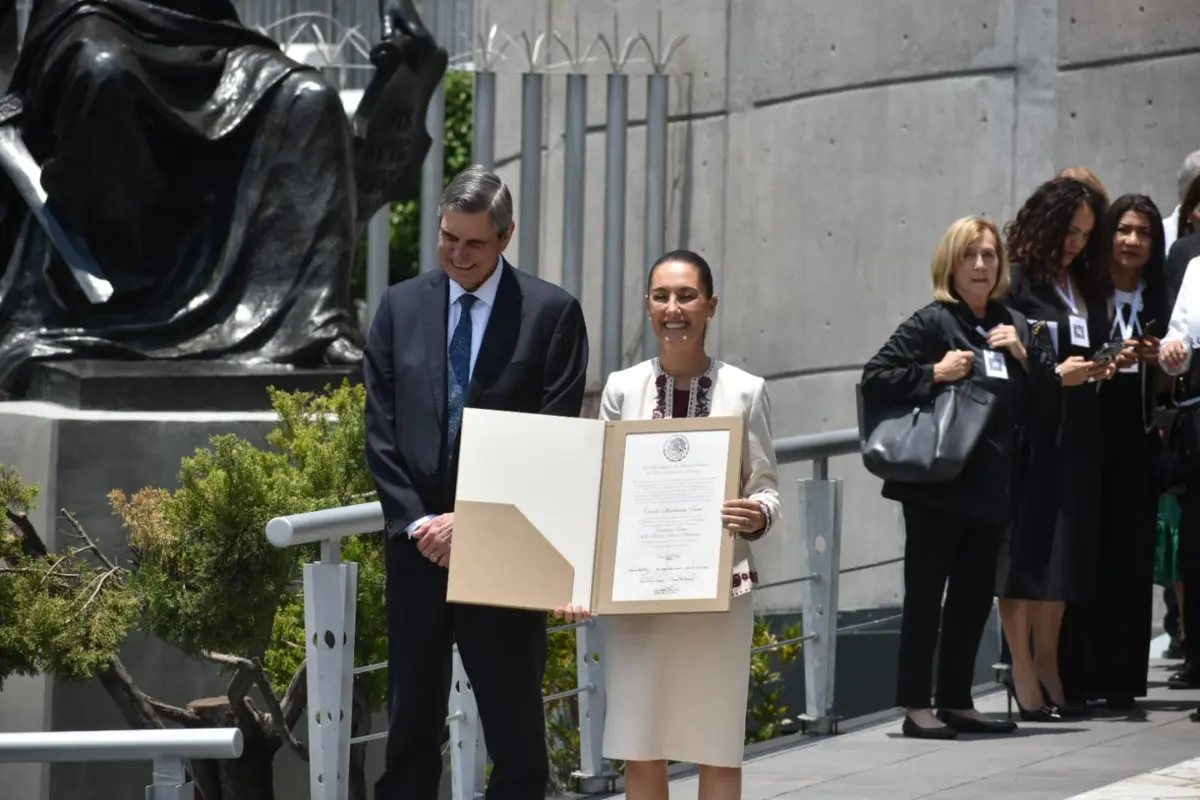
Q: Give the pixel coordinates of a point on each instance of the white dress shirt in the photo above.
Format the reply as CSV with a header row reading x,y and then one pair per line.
x,y
1171,228
1185,316
481,312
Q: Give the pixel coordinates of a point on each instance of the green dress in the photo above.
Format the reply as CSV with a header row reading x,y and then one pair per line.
x,y
1166,556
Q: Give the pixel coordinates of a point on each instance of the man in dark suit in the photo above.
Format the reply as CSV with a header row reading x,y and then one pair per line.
x,y
475,333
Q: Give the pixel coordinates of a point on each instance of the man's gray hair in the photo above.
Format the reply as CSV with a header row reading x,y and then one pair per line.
x,y
477,189
1188,173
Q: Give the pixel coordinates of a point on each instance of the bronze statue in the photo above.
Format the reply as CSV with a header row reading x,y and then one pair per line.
x,y
174,187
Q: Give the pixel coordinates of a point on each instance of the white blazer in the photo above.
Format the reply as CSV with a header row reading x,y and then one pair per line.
x,y
1185,316
644,391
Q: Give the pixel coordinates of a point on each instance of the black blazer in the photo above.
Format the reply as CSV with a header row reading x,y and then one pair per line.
x,y
902,372
533,359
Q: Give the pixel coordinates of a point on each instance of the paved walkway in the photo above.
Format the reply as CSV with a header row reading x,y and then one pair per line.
x,y
1071,760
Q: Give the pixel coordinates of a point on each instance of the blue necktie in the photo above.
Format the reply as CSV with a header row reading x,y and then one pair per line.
x,y
459,375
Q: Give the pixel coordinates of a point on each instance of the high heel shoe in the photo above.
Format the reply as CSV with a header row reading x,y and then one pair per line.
x,y
1047,713
1065,710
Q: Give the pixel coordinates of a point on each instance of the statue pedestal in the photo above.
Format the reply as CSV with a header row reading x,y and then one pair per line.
x,y
172,385
84,429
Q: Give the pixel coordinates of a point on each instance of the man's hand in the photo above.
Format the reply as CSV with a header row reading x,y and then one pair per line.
x,y
433,539
1172,354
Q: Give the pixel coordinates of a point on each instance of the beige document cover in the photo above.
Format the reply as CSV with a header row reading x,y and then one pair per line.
x,y
539,506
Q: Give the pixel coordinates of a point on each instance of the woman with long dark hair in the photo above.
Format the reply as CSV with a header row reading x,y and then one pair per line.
x,y
1060,281
1114,630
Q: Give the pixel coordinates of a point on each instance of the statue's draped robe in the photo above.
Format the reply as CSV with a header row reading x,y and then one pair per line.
x,y
210,176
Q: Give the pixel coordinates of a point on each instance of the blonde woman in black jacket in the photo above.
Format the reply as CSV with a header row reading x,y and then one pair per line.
x,y
953,529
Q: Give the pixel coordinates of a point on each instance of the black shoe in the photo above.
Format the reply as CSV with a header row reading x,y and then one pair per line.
x,y
971,725
1174,650
1195,715
1047,713
1186,678
1067,710
915,731
1121,703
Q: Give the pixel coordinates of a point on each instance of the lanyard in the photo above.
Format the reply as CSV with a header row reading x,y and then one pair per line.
x,y
1127,323
1069,299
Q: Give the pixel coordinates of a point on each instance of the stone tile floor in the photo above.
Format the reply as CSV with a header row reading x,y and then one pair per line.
x,y
1091,759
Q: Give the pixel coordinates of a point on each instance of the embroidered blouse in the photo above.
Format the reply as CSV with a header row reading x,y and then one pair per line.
x,y
691,402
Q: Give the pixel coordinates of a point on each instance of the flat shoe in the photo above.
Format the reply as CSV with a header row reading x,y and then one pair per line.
x,y
971,725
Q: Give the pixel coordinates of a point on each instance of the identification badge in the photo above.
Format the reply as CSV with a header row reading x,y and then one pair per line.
x,y
1079,331
994,365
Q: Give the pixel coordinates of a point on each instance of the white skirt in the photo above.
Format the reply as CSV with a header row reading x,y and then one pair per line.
x,y
677,685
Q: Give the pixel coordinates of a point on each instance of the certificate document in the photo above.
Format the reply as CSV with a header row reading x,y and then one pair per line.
x,y
619,516
669,531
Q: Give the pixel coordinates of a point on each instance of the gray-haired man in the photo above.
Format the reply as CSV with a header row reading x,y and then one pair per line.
x,y
476,333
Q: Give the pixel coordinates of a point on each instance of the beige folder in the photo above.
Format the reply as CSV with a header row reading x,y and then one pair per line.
x,y
538,507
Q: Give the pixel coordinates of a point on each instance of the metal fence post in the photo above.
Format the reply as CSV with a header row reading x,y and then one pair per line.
x,y
468,755
169,781
330,609
484,124
529,218
655,213
821,512
593,775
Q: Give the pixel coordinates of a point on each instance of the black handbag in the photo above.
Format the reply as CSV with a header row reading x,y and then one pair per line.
x,y
926,442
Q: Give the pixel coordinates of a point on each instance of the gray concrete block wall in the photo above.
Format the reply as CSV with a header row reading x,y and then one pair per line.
x,y
819,149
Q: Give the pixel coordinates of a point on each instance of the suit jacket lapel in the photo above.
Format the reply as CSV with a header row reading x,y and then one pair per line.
x,y
504,323
434,318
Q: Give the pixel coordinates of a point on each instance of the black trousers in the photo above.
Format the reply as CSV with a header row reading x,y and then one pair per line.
x,y
1189,572
504,654
939,548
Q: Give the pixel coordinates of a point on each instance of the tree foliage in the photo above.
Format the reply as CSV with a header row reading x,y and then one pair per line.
x,y
60,613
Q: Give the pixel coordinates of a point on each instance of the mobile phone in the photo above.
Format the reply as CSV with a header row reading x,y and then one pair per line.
x,y
1108,352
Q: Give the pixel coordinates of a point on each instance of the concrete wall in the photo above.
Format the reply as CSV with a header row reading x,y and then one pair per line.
x,y
819,149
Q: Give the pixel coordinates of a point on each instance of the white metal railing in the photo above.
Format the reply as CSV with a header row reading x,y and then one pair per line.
x,y
167,749
330,590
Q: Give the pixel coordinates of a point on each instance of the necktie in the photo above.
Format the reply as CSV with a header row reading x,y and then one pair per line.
x,y
459,374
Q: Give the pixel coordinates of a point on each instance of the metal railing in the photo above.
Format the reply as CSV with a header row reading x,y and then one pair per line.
x,y
330,588
169,750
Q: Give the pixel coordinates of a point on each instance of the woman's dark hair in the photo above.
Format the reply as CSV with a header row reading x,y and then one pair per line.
x,y
1035,237
1154,297
687,257
1190,200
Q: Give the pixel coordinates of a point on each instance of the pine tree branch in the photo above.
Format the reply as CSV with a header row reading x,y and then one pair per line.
x,y
180,716
278,720
91,544
31,544
246,674
295,699
133,703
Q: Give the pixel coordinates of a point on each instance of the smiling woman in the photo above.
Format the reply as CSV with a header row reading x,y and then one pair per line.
x,y
953,528
698,715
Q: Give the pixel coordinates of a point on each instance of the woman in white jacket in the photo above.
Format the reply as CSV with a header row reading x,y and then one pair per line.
x,y
677,683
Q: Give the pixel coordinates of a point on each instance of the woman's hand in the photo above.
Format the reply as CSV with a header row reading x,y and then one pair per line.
x,y
1075,371
743,516
1004,337
1128,355
1147,349
954,365
1172,354
573,613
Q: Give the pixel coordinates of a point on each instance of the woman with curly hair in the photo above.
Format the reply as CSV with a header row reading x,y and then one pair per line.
x,y
1060,281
